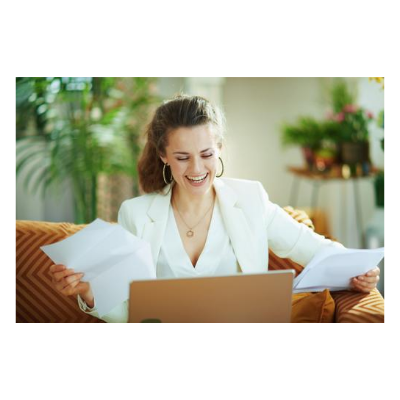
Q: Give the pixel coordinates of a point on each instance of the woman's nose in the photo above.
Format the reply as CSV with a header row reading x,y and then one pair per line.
x,y
197,165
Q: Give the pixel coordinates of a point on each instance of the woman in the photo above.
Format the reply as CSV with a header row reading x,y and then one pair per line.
x,y
197,223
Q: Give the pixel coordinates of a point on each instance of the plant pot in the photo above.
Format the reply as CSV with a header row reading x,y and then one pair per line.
x,y
324,159
355,153
308,155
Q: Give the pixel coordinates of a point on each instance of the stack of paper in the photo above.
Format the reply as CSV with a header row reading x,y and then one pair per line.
x,y
109,256
333,268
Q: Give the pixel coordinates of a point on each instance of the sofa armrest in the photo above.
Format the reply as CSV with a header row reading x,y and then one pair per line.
x,y
36,299
358,307
351,306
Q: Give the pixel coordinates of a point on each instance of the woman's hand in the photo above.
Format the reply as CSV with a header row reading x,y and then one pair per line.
x,y
68,283
366,283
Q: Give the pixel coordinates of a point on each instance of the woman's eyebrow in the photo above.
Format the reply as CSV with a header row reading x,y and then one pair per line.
x,y
183,152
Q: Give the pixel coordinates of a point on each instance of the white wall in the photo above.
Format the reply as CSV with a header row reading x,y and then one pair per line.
x,y
255,109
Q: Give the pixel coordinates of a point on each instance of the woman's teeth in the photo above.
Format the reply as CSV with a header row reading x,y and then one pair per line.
x,y
197,178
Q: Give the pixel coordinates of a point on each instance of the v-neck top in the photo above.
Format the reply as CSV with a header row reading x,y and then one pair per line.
x,y
216,259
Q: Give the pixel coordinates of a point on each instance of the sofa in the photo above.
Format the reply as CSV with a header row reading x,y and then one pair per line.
x,y
38,301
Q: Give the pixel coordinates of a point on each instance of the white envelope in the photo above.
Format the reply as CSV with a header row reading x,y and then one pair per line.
x,y
109,256
333,267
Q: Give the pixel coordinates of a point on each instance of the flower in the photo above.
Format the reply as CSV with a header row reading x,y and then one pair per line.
x,y
381,81
339,117
350,124
370,115
350,108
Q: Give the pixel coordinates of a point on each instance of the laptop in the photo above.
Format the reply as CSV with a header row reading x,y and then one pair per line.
x,y
265,297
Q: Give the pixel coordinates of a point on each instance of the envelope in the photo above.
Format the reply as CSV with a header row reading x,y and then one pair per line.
x,y
110,257
333,268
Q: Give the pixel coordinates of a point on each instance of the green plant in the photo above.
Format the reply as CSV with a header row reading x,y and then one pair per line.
x,y
311,133
341,96
77,128
307,132
349,122
380,178
381,123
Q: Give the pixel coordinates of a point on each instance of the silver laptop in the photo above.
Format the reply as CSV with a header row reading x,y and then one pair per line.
x,y
265,297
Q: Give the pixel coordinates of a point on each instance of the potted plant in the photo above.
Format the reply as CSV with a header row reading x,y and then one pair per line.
x,y
380,177
350,127
314,137
80,129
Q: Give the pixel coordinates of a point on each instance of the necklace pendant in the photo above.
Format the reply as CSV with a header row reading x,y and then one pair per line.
x,y
190,233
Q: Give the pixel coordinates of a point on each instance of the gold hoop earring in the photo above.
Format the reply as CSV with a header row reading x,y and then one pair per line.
x,y
163,174
222,172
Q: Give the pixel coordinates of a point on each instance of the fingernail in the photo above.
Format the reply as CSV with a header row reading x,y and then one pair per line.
x,y
361,278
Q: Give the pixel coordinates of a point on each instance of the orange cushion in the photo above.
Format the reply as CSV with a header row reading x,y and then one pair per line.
x,y
313,307
359,307
36,299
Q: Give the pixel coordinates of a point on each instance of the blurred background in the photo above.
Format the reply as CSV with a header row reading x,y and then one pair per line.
x,y
314,143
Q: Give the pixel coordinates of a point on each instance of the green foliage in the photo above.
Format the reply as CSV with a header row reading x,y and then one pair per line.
x,y
346,123
77,128
341,96
380,120
349,122
309,132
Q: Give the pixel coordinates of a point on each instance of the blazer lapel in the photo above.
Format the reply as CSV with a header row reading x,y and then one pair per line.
x,y
238,228
234,218
154,230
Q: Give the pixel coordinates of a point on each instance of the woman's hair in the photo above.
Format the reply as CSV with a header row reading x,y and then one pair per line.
x,y
181,111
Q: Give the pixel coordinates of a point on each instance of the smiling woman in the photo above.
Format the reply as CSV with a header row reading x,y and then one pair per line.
x,y
197,223
171,121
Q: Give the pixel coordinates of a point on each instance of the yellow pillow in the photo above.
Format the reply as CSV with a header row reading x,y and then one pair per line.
x,y
313,307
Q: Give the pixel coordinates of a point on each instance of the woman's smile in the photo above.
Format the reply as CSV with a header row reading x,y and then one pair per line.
x,y
197,180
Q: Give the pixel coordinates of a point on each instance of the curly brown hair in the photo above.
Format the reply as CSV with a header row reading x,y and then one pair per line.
x,y
181,111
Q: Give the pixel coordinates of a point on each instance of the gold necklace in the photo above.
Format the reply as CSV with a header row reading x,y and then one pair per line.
x,y
190,232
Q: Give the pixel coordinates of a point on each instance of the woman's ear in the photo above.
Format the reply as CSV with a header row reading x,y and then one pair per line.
x,y
164,160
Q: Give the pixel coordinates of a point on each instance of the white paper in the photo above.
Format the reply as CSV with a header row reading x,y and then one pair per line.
x,y
109,256
333,268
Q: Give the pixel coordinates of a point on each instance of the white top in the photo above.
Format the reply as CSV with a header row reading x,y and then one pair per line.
x,y
216,259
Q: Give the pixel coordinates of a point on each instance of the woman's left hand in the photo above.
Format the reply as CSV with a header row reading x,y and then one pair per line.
x,y
366,283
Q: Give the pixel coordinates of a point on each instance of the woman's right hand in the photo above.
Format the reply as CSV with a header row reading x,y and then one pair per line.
x,y
68,283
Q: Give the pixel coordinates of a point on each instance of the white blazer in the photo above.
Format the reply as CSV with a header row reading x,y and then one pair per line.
x,y
253,223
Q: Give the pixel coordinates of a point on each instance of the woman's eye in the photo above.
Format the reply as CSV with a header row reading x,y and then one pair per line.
x,y
187,158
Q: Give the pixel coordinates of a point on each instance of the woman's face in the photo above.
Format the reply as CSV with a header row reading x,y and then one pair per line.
x,y
192,154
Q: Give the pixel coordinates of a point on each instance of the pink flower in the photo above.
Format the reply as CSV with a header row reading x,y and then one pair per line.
x,y
370,115
339,117
350,108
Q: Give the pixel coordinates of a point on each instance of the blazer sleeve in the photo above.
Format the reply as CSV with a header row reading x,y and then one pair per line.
x,y
288,238
117,314
125,218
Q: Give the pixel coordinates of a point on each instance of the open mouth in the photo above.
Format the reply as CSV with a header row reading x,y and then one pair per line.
x,y
197,179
